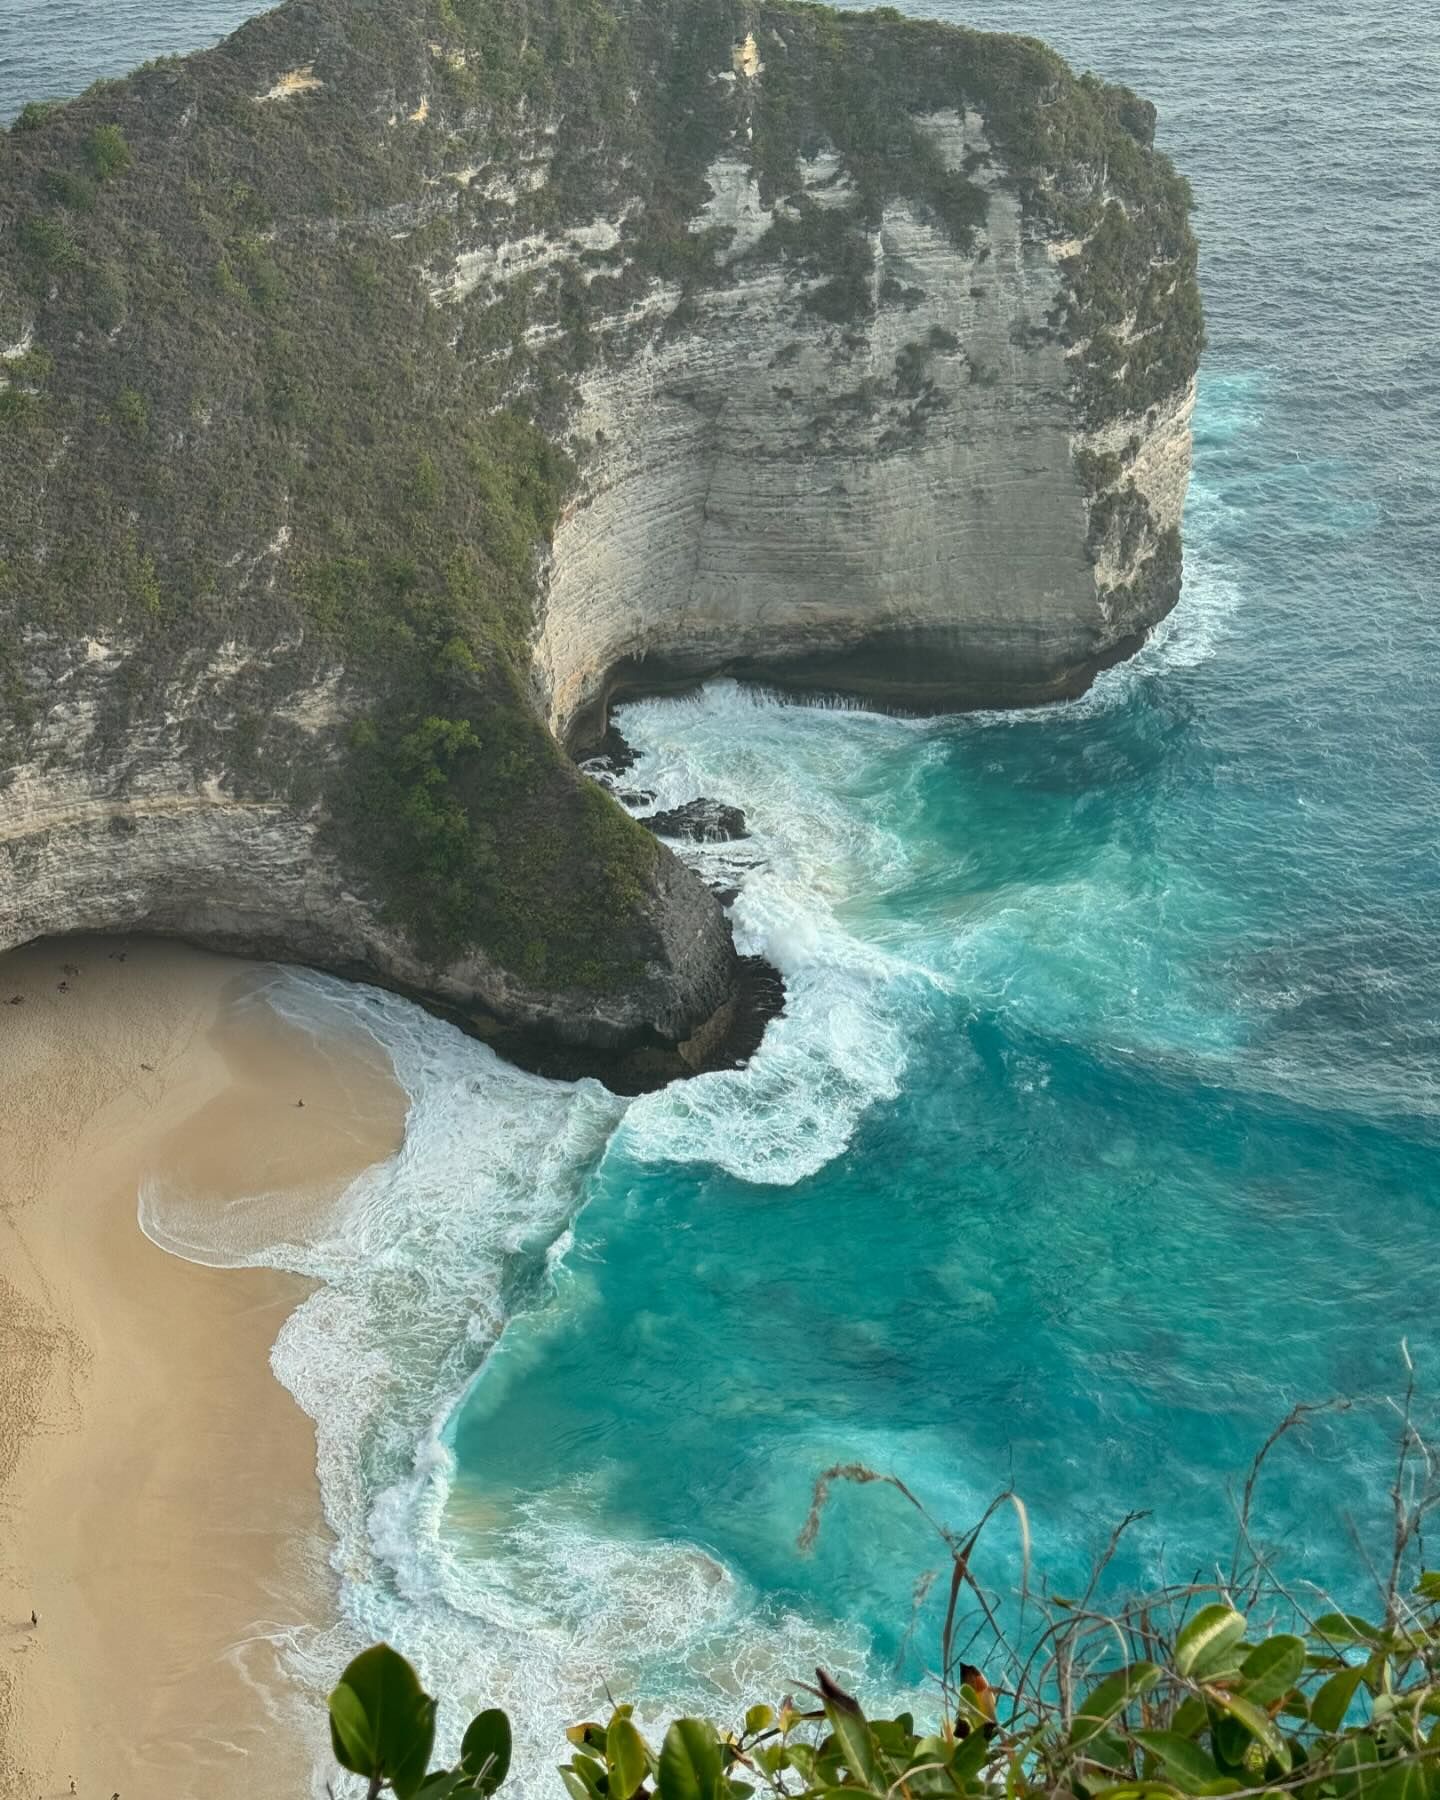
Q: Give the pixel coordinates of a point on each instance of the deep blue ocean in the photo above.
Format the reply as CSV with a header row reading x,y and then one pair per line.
x,y
1104,1121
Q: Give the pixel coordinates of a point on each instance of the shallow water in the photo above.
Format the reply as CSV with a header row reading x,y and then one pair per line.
x,y
1104,1121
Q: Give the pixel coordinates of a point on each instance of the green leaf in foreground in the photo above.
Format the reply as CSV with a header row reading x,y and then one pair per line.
x,y
1112,1696
576,1786
1351,1773
1347,1628
1333,1701
441,1785
1208,1638
1272,1668
1257,1722
382,1722
1406,1780
857,1745
1135,1790
971,1755
626,1759
1184,1761
350,1734
485,1750
689,1761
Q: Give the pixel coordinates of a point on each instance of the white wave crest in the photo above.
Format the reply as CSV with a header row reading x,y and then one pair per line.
x,y
817,840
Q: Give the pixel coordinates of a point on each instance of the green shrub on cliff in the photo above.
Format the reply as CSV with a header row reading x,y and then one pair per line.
x,y
34,114
107,151
437,799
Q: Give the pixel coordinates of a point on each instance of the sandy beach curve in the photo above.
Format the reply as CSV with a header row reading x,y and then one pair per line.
x,y
159,1509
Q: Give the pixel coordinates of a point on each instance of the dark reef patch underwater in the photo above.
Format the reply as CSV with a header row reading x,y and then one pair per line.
x,y
1104,1120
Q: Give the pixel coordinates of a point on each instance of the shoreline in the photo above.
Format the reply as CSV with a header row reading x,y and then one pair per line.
x,y
159,1503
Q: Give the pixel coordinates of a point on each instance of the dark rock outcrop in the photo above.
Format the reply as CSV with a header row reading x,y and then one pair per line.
x,y
699,821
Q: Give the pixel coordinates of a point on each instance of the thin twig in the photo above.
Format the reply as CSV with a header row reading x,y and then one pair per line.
x,y
1298,1413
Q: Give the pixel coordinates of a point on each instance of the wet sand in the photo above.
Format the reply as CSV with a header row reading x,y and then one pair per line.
x,y
158,1500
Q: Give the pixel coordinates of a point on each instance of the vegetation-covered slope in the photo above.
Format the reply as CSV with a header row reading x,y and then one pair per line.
x,y
248,417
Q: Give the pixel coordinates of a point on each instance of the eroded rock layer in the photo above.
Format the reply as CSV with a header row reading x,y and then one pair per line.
x,y
900,507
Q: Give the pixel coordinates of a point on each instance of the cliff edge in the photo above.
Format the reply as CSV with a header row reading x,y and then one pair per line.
x,y
384,390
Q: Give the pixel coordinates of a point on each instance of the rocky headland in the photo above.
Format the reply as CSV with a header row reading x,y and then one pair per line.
x,y
384,391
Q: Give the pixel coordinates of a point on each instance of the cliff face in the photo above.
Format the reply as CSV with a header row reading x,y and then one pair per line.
x,y
383,390
896,509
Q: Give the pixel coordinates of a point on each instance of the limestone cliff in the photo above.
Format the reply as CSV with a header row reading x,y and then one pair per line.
x,y
898,508
382,390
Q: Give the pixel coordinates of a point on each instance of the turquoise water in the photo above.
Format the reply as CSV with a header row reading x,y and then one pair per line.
x,y
1104,1122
